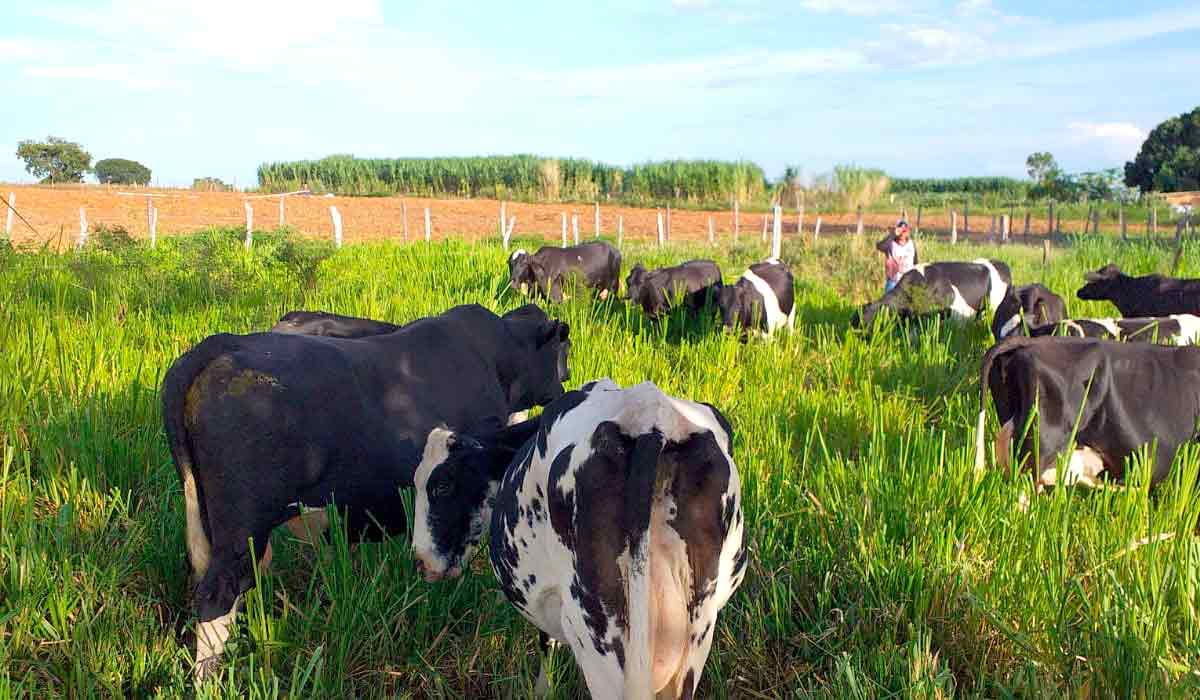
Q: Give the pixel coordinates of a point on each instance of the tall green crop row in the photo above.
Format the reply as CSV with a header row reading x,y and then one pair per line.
x,y
518,176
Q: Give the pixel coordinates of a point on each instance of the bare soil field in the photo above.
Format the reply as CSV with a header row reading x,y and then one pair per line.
x,y
54,213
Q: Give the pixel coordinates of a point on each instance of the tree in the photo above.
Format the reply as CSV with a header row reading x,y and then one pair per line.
x,y
210,184
1042,168
1169,159
119,171
55,159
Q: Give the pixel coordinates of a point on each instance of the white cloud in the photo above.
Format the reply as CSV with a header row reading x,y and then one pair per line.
x,y
970,8
1117,140
128,76
860,8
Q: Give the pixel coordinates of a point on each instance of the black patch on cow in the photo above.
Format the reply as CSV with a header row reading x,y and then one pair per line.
x,y
1150,295
562,505
724,423
550,415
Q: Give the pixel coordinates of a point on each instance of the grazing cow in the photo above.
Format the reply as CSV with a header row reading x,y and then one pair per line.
x,y
270,428
617,529
962,289
597,264
1113,397
331,325
1179,329
697,281
762,300
1151,295
1027,306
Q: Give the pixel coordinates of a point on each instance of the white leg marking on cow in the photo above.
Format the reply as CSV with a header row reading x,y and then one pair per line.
x,y
1073,328
775,315
198,546
518,417
211,637
998,287
1189,329
1010,325
1084,469
1111,326
603,294
959,307
1003,445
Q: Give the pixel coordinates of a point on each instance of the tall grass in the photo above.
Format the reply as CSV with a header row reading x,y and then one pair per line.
x,y
881,564
520,177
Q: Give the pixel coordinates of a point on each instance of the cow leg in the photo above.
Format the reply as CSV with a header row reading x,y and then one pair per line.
x,y
1003,446
603,294
556,293
309,525
219,595
604,675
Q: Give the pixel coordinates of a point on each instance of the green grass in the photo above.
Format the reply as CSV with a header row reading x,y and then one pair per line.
x,y
881,566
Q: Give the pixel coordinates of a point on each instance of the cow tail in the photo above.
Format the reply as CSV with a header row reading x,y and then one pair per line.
x,y
640,493
175,386
615,268
1003,347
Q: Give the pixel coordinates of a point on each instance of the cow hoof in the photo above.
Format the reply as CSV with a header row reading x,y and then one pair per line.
x,y
205,669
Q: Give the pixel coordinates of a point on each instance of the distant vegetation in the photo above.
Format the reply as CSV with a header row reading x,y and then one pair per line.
x,y
1169,159
525,177
210,184
120,171
55,160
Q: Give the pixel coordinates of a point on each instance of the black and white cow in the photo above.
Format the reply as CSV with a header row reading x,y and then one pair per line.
x,y
1179,329
270,428
331,325
1151,295
697,281
595,264
762,300
1119,397
617,529
1027,306
961,289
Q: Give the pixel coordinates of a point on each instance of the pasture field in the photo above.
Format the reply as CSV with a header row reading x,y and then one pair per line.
x,y
881,565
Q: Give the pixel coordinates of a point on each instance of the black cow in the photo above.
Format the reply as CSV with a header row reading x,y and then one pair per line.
x,y
1119,396
597,264
331,325
762,300
697,281
1027,306
270,428
617,529
1180,329
1151,295
961,289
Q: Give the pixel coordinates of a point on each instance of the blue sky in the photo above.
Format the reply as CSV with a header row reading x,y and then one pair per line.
x,y
917,87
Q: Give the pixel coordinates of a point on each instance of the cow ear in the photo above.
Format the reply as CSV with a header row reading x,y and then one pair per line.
x,y
462,441
553,329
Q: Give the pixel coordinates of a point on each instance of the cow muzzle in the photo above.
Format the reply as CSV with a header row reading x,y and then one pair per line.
x,y
430,572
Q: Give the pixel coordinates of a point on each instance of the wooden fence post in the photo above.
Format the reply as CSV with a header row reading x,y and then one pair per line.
x,y
83,229
1026,232
859,230
711,239
1087,222
12,202
337,226
564,229
428,227
512,224
620,230
658,213
992,230
1096,221
1050,220
1005,223
280,211
737,221
149,213
668,223
953,227
966,218
800,216
597,219
153,227
1153,219
575,227
503,221
404,215
764,229
249,225
777,233
817,230
1121,218
917,229
1045,255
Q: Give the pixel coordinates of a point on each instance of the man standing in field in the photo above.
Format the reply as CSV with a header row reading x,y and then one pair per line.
x,y
900,254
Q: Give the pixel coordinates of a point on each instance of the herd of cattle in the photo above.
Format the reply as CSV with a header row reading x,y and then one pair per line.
x,y
614,518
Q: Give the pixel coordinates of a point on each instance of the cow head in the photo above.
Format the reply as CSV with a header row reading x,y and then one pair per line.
x,y
541,363
1101,284
456,484
525,273
633,283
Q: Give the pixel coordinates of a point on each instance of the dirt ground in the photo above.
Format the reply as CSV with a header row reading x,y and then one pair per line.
x,y
55,214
